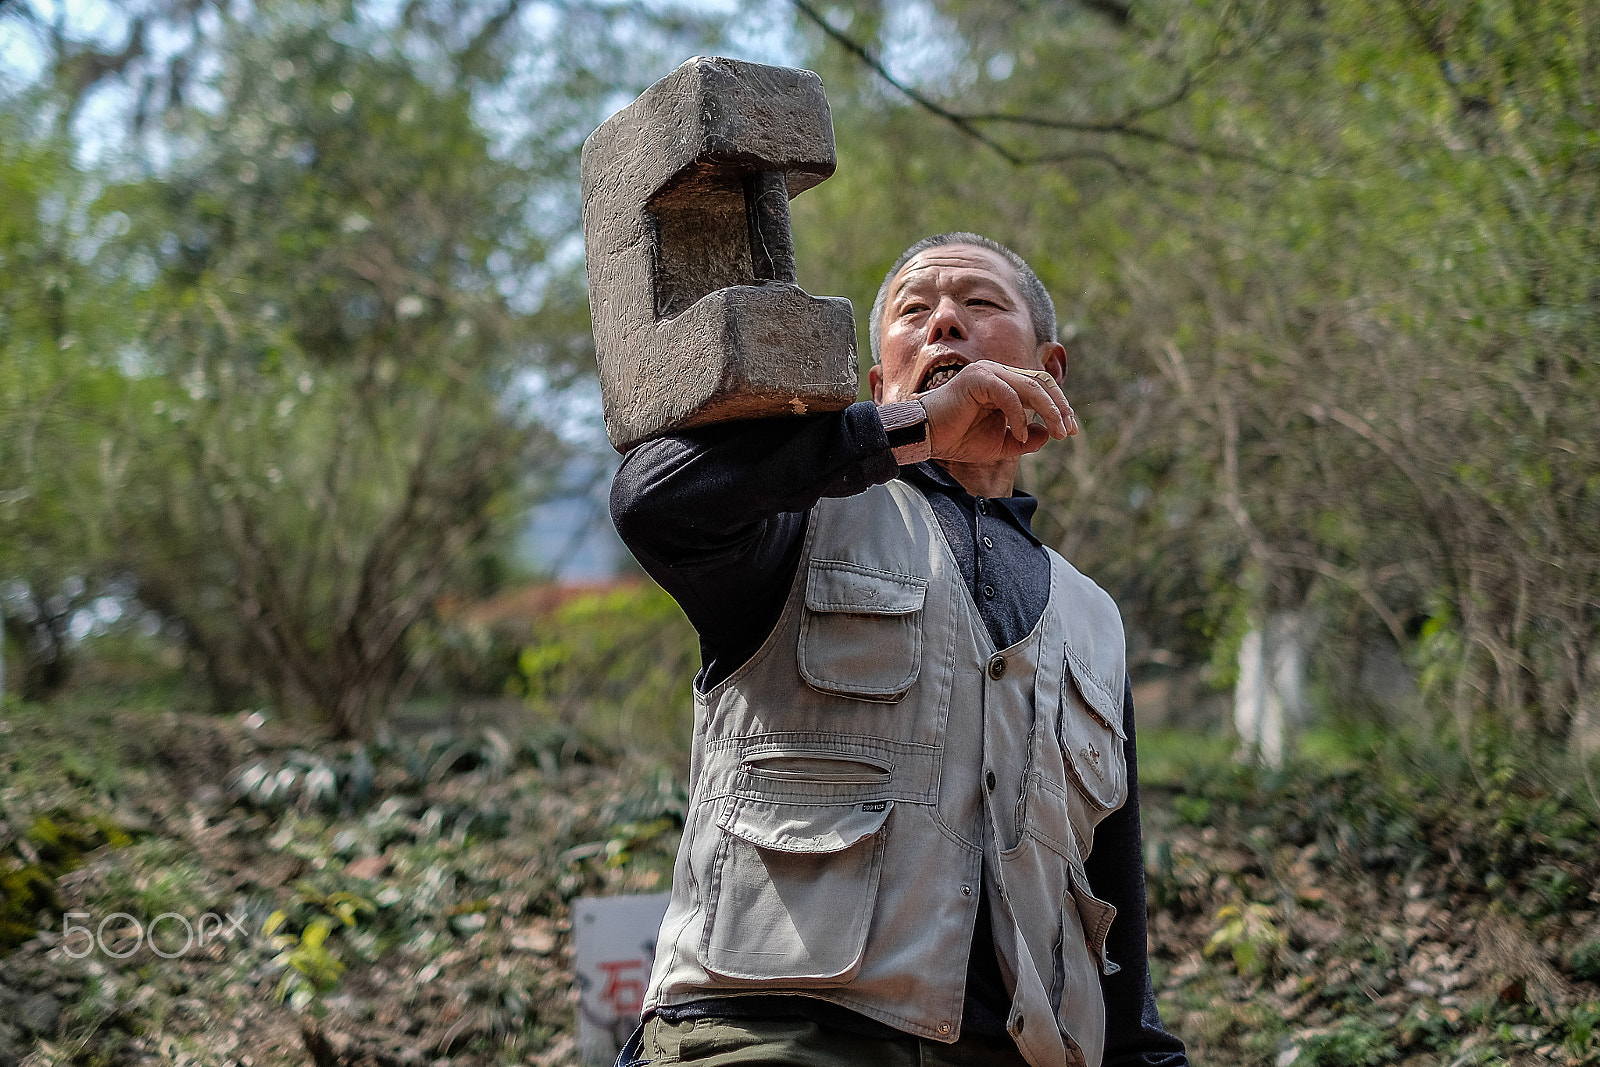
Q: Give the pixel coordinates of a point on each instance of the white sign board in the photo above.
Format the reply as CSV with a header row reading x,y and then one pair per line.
x,y
614,939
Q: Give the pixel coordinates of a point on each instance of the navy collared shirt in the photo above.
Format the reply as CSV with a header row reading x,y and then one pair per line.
x,y
1004,564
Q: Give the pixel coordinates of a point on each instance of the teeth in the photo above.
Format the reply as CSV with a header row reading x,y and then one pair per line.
x,y
939,376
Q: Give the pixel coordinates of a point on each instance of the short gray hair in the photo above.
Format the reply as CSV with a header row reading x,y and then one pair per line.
x,y
1041,309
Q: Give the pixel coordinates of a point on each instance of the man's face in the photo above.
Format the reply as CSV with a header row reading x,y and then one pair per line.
x,y
950,306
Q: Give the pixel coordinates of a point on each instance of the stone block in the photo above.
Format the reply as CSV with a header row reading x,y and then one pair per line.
x,y
697,316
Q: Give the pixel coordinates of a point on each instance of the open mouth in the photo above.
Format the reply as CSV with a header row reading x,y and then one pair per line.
x,y
940,373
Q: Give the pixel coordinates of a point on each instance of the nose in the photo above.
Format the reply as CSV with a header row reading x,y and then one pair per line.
x,y
945,323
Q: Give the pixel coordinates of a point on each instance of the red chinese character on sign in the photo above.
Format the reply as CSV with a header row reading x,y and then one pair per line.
x,y
623,993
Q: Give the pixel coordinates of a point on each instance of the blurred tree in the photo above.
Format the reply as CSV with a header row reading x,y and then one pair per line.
x,y
329,433
58,389
1327,274
1330,276
348,242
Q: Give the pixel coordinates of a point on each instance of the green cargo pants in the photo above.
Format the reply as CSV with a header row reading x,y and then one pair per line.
x,y
717,1042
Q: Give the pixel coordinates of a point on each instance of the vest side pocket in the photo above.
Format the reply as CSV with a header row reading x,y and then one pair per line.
x,y
1080,960
1091,735
861,631
1095,916
792,891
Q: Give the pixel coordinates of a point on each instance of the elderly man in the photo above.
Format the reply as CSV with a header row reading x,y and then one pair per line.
x,y
913,828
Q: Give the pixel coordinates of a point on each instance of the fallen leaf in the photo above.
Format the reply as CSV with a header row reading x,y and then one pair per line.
x,y
367,867
534,939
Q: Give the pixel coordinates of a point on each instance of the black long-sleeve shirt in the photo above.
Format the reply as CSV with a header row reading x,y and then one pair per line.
x,y
718,517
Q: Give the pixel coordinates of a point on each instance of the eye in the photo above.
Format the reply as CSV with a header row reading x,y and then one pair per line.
x,y
979,301
912,309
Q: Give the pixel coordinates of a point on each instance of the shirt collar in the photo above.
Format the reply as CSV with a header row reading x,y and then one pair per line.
x,y
1019,508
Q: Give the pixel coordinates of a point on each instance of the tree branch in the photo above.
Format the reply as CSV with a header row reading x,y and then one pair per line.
x,y
1114,10
957,120
1125,125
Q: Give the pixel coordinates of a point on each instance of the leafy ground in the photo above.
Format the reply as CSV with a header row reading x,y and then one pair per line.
x,y
406,902
1391,910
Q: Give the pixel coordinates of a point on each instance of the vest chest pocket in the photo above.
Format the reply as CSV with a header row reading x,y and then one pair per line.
x,y
861,634
1091,735
792,890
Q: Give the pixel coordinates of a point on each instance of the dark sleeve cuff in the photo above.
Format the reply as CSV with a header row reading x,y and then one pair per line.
x,y
906,425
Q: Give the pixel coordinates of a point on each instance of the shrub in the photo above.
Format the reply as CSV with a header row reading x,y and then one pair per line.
x,y
618,665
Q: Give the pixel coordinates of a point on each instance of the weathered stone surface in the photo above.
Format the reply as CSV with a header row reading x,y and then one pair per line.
x,y
697,317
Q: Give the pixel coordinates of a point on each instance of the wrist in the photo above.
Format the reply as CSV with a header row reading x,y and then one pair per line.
x,y
906,425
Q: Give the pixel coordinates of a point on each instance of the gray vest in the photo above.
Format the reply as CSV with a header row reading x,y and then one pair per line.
x,y
854,780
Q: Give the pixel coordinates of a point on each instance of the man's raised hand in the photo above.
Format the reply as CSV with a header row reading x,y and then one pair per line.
x,y
982,414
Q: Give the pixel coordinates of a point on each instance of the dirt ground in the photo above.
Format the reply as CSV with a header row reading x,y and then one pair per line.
x,y
1357,917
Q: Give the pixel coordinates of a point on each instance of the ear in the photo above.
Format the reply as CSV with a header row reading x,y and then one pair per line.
x,y
875,383
1053,357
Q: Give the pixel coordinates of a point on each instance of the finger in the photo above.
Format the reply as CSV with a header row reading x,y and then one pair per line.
x,y
1069,418
1053,387
1041,393
1070,426
1063,409
1062,422
1002,391
1038,437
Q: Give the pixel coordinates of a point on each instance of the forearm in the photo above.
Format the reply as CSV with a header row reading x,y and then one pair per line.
x,y
698,494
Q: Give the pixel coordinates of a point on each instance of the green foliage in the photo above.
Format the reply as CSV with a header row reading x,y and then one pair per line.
x,y
310,968
1250,935
390,773
25,893
1583,1024
618,666
324,452
1585,961
267,369
1408,801
1553,890
43,748
306,782
631,837
1353,1043
1413,925
1326,280
1193,811
1424,1027
59,331
61,837
153,878
54,844
1168,757
301,936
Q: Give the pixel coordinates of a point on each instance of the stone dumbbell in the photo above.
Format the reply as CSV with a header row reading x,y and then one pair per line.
x,y
697,317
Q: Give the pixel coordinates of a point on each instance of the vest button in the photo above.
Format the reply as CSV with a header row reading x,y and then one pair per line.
x,y
966,890
997,668
944,1028
988,780
1016,1027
